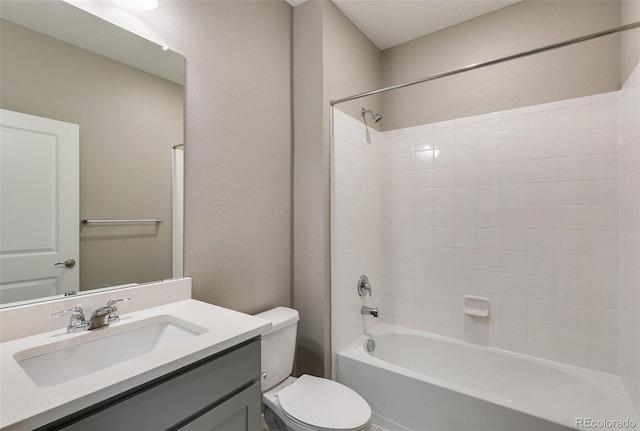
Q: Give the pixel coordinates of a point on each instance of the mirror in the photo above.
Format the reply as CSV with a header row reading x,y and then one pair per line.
x,y
92,128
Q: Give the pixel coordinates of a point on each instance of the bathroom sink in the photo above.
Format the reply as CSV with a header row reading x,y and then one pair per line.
x,y
91,351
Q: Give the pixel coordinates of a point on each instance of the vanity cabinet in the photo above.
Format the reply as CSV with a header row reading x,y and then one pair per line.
x,y
218,393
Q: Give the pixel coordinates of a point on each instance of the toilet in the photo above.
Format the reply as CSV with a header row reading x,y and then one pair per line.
x,y
306,403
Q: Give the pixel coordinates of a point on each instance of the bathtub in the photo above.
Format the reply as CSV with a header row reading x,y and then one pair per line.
x,y
422,382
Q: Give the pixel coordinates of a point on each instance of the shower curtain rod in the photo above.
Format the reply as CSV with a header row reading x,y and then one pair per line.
x,y
491,62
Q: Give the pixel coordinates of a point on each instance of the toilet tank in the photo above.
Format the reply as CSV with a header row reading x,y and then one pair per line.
x,y
278,345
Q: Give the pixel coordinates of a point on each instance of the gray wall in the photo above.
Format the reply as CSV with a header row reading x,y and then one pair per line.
x,y
238,148
352,64
630,12
128,121
332,59
310,192
588,68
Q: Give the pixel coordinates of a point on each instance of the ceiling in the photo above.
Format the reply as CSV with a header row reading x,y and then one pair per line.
x,y
389,23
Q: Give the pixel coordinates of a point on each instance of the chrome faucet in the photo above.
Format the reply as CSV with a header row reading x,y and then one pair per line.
x,y
101,316
369,310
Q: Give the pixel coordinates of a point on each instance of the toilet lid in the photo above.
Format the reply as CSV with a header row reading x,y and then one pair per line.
x,y
323,403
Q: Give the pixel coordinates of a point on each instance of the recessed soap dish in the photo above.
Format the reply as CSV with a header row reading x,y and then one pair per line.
x,y
476,306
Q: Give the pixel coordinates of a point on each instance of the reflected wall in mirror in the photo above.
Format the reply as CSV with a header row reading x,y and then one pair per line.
x,y
82,95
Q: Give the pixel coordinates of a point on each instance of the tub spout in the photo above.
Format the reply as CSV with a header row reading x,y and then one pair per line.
x,y
369,310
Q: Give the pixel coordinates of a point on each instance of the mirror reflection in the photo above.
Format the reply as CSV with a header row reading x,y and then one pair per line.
x,y
92,128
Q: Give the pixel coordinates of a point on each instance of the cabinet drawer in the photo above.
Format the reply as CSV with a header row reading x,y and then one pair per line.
x,y
178,398
239,413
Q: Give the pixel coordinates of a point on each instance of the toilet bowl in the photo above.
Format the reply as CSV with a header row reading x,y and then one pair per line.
x,y
306,403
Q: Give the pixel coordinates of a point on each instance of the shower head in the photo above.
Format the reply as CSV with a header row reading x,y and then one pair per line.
x,y
376,117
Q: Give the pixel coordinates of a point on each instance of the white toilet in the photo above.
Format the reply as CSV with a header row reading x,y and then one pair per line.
x,y
307,403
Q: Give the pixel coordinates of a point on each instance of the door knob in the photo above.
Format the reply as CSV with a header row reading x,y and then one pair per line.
x,y
69,263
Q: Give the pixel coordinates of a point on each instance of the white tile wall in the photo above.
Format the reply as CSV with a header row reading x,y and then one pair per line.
x,y
629,238
356,199
518,206
537,209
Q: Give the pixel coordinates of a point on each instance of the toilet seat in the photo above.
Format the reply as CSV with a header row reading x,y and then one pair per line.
x,y
324,404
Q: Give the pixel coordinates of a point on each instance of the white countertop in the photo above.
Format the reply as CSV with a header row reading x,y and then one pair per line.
x,y
24,405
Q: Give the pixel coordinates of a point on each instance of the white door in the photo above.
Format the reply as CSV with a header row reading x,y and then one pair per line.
x,y
39,207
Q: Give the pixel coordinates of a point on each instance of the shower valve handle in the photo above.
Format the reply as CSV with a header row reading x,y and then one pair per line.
x,y
364,286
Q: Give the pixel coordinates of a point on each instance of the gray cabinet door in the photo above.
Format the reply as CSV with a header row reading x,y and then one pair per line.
x,y
239,413
178,398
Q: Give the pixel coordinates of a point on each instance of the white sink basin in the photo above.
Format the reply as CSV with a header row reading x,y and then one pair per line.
x,y
59,362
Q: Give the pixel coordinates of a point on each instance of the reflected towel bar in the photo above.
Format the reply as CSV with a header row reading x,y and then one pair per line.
x,y
150,220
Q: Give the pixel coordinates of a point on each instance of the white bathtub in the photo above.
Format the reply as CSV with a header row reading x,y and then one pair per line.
x,y
419,381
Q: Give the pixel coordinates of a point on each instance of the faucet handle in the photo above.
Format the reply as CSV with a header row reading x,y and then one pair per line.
x,y
77,321
113,314
364,286
112,302
76,311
